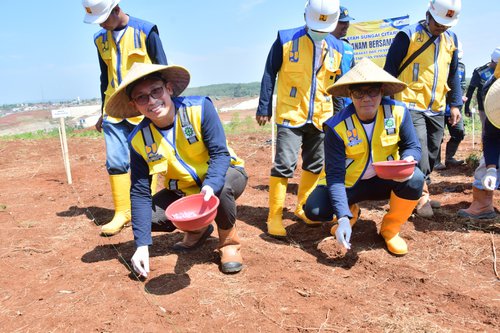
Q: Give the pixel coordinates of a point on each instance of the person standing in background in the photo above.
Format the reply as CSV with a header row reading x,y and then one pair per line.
x,y
487,174
424,56
348,56
122,41
306,61
457,132
479,78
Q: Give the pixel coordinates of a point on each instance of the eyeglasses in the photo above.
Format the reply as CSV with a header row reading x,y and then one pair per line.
x,y
360,93
156,93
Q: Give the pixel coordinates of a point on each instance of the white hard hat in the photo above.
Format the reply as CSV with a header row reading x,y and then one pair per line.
x,y
322,15
98,10
495,55
445,12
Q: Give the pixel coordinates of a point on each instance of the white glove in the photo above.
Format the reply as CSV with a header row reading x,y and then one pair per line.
x,y
490,179
343,233
140,260
407,159
208,191
402,180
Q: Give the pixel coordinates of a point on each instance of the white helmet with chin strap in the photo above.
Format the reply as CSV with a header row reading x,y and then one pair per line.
x,y
97,11
322,15
445,12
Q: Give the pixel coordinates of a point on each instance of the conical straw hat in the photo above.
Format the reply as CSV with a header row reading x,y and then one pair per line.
x,y
492,104
366,72
118,104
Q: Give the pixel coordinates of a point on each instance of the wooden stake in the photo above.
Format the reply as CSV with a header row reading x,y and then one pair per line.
x,y
64,144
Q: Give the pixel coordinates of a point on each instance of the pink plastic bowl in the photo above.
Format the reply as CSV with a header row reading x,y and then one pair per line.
x,y
394,169
192,212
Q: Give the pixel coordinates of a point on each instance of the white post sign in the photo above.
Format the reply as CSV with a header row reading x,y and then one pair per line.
x,y
61,114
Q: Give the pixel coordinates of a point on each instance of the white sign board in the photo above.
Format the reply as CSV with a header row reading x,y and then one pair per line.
x,y
61,113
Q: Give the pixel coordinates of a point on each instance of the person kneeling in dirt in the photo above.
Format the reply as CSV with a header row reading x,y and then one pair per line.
x,y
182,139
371,129
487,174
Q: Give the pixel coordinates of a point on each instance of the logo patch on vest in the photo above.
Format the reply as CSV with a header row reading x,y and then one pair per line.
x,y
352,136
188,131
389,123
152,153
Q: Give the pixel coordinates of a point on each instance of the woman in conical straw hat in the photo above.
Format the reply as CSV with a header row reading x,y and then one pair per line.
x,y
487,174
182,139
372,129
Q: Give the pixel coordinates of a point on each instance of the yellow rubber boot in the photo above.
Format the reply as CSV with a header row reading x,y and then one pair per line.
x,y
308,182
120,189
399,211
277,194
355,211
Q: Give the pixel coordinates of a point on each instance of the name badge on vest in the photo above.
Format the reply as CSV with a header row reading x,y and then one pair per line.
x,y
152,153
352,136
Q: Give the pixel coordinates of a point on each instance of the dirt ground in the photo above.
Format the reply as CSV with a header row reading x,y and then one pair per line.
x,y
61,275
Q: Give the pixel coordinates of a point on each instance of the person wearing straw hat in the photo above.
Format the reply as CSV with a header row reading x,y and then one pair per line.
x,y
305,61
424,55
487,174
122,41
479,77
182,139
371,129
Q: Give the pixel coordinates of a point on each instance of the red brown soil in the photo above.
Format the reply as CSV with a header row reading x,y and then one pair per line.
x,y
60,275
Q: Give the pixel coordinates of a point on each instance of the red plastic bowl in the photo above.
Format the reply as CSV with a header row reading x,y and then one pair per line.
x,y
394,169
192,212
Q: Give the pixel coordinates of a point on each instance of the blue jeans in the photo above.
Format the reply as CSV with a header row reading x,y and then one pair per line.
x,y
117,149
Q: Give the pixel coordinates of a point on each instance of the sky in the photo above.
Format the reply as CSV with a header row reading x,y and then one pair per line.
x,y
47,52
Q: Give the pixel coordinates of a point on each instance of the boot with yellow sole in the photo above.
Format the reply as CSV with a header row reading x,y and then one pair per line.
x,y
277,194
120,189
308,182
399,212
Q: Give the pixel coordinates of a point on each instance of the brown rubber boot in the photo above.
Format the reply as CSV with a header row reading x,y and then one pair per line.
x,y
193,239
424,208
229,250
481,206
